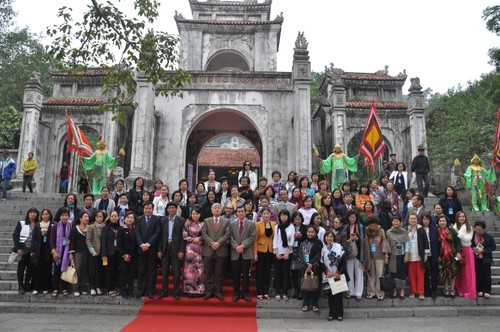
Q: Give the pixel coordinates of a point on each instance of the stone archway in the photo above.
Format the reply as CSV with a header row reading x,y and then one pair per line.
x,y
227,60
223,121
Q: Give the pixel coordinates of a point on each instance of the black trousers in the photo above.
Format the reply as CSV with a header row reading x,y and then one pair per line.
x,y
214,267
24,278
336,304
431,278
59,284
483,276
97,274
146,272
422,183
263,267
43,275
282,275
111,271
241,271
127,274
170,260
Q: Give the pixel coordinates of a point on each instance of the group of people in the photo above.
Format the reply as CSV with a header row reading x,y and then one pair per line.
x,y
298,226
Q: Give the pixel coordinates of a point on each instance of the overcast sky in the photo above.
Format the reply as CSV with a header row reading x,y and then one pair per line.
x,y
444,42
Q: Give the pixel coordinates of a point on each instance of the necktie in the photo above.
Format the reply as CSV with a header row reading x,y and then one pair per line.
x,y
216,224
241,227
147,220
348,208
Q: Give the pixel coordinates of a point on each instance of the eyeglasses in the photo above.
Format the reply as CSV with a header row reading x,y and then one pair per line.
x,y
247,164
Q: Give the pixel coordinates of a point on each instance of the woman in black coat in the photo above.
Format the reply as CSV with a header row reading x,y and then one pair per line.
x,y
70,204
311,255
109,252
127,247
42,257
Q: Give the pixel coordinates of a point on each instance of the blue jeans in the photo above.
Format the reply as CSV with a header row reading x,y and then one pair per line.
x,y
5,186
63,186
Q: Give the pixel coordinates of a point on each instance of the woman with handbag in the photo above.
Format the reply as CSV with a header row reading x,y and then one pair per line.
x,y
79,253
399,242
23,238
282,249
333,265
376,254
310,252
59,247
41,253
354,264
466,280
449,254
296,267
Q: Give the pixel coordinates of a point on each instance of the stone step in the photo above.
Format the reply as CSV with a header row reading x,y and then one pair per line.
x,y
13,296
7,285
389,312
67,308
8,274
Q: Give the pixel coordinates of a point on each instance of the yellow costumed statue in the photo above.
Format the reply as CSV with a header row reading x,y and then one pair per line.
x,y
99,163
338,163
477,180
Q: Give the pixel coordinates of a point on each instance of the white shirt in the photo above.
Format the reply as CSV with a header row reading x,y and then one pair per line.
x,y
465,238
159,206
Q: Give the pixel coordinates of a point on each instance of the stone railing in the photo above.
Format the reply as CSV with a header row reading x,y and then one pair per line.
x,y
276,78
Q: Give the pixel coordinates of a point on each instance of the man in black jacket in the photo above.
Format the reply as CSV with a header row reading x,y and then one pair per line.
x,y
421,167
147,234
171,249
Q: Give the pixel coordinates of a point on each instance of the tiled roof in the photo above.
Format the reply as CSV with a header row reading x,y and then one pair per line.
x,y
231,3
370,77
368,104
86,72
223,22
227,157
71,101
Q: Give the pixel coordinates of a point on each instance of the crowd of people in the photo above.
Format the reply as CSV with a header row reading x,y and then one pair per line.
x,y
289,227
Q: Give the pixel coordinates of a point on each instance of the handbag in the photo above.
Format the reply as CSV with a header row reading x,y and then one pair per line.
x,y
309,282
70,274
353,252
387,281
441,277
338,286
14,257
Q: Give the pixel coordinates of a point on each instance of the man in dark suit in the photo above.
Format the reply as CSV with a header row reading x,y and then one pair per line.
x,y
284,204
242,239
418,208
171,249
215,233
147,234
348,206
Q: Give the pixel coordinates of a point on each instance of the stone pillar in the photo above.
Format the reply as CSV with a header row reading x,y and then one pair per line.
x,y
416,110
339,124
141,163
301,79
32,105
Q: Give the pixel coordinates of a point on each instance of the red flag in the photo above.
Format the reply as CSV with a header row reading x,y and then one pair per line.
x,y
77,141
372,145
496,152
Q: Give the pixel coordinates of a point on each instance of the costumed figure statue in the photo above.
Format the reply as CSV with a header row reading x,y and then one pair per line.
x,y
477,180
99,162
338,163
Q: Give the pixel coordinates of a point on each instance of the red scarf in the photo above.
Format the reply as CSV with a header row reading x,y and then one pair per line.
x,y
445,246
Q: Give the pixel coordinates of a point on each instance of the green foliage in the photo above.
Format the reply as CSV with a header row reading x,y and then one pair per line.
x,y
10,123
492,17
107,39
317,78
462,121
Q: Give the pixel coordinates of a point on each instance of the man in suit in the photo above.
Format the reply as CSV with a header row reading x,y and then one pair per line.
x,y
418,208
242,239
284,204
171,249
215,233
348,206
147,234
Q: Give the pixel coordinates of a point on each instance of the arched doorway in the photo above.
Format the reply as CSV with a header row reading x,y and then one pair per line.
x,y
227,60
212,125
363,175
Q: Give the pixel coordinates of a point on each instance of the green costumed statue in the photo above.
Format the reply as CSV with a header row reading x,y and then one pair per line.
x,y
99,163
338,163
477,179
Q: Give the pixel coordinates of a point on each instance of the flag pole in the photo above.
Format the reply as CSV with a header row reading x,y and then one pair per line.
x,y
86,175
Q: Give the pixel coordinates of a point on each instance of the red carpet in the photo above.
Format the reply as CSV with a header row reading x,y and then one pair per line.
x,y
187,314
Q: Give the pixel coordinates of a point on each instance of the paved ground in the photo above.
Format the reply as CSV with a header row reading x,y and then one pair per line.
x,y
83,323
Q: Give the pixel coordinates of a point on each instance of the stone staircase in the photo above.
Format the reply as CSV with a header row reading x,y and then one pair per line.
x,y
14,209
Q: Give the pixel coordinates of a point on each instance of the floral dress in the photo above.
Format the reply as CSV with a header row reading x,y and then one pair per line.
x,y
194,271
